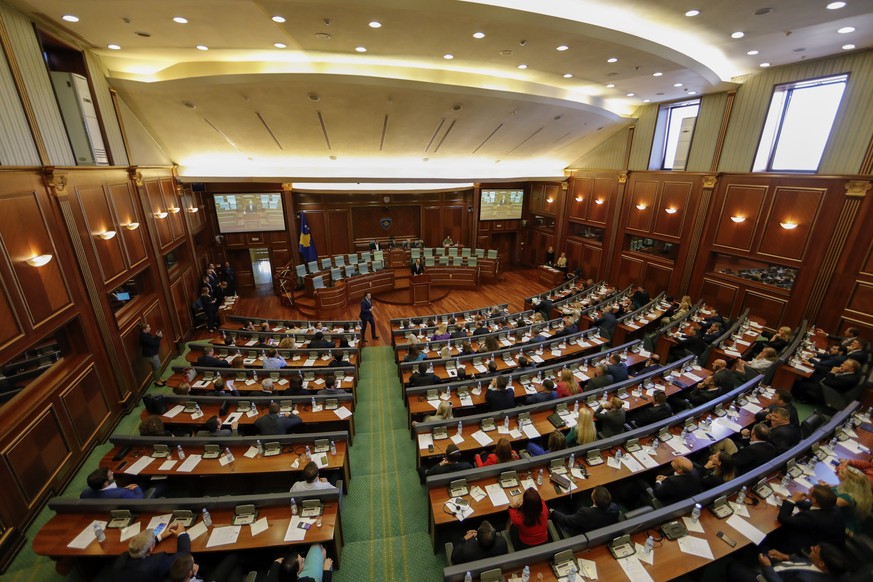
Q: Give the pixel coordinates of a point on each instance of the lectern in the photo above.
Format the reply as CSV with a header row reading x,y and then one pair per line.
x,y
419,289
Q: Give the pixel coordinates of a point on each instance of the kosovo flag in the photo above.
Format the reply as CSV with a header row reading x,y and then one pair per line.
x,y
307,249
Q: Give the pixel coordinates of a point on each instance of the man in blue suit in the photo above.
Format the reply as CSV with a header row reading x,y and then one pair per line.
x,y
139,564
101,485
367,317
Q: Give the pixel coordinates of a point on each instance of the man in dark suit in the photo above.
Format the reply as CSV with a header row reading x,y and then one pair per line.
x,y
653,363
603,512
451,463
600,378
478,544
658,411
712,334
101,485
606,322
781,399
417,267
640,297
824,563
480,328
212,428
207,303
819,520
139,564
842,379
422,377
757,452
783,434
857,351
616,368
209,360
714,316
229,276
692,343
274,423
367,317
457,331
570,327
834,356
318,341
544,307
330,387
682,484
375,246
500,394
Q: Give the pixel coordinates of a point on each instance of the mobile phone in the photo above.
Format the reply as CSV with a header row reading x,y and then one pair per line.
x,y
160,529
515,492
430,448
726,539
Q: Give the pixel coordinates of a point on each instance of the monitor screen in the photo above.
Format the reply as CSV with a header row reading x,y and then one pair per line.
x,y
122,296
501,204
249,212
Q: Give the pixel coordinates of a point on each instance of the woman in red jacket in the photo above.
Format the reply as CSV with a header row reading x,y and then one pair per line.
x,y
503,453
529,516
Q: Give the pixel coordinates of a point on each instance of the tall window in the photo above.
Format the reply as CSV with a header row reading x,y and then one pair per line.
x,y
798,125
673,134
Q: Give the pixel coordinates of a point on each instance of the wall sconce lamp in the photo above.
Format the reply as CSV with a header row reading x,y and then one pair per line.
x,y
671,210
39,260
598,201
160,214
194,209
579,199
788,225
738,219
131,225
107,234
174,209
641,206
550,199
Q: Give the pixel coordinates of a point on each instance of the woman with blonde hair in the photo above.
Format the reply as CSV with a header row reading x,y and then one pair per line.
x,y
584,432
854,497
441,333
567,384
286,342
443,412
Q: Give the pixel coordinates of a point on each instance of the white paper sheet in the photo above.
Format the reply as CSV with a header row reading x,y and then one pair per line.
x,y
677,445
752,407
197,530
139,465
631,463
728,424
642,556
692,525
461,512
424,440
746,529
191,461
613,462
259,526
167,465
458,439
86,536
496,494
647,461
128,532
294,533
477,493
222,536
482,438
174,411
695,546
342,412
251,453
587,568
531,431
740,509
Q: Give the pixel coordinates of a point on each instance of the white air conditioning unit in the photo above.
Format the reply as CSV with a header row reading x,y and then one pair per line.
x,y
80,118
686,130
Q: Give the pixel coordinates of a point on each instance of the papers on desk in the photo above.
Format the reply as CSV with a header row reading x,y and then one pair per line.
x,y
222,536
482,438
318,381
515,433
159,519
128,532
296,358
696,546
320,460
190,462
297,528
249,382
530,431
199,384
506,342
677,445
693,377
232,418
342,412
728,424
645,353
259,526
477,493
197,531
530,389
752,407
435,404
462,512
732,353
852,446
86,536
466,400
527,484
139,465
175,410
167,465
803,369
580,376
556,353
537,359
747,529
692,525
458,439
424,440
325,357
643,457
631,463
309,362
740,509
497,495
480,368
587,568
613,462
634,569
642,556
251,412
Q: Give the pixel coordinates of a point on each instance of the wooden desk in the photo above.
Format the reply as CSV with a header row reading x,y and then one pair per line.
x,y
442,276
787,374
297,358
550,276
633,327
345,382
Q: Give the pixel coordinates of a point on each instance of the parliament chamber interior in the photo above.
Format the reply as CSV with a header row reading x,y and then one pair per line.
x,y
436,290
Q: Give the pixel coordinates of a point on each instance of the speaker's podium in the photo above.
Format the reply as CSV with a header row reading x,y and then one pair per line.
x,y
419,289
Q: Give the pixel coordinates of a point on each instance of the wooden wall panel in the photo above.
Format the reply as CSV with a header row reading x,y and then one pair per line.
x,y
172,202
657,278
453,222
37,453
720,294
11,329
181,291
861,299
98,217
24,232
86,406
156,204
574,252
630,271
583,186
591,261
340,235
799,205
366,221
644,193
597,212
674,196
771,308
127,211
739,200
431,228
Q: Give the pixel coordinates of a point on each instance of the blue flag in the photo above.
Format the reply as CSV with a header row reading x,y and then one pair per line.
x,y
307,247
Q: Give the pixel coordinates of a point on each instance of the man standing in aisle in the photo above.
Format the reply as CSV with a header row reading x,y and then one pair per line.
x,y
151,348
367,317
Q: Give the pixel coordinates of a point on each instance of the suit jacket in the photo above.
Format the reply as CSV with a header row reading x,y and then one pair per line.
x,y
677,487
151,568
606,323
459,333
761,416
366,307
417,269
808,527
841,382
617,371
212,362
470,550
599,382
480,330
704,395
753,455
694,344
639,298
275,424
425,379
322,343
859,356
114,493
586,518
797,574
150,344
611,421
448,468
653,414
500,399
784,437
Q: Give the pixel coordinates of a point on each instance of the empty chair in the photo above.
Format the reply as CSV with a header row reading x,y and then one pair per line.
x,y
453,251
318,282
416,253
378,265
472,261
457,261
428,262
480,253
465,252
378,256
339,260
836,401
811,423
364,268
428,252
444,260
492,254
325,263
336,274
439,251
301,270
353,259
312,266
365,257
350,270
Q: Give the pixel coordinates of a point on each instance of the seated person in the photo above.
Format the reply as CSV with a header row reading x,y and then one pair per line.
x,y
600,378
183,568
422,377
778,342
139,564
273,361
529,517
602,512
781,399
756,366
858,350
319,342
503,453
692,344
295,387
212,428
413,354
209,360
611,415
713,333
617,368
606,322
315,567
266,387
556,442
658,411
719,469
570,327
440,334
545,391
451,462
639,298
823,362
330,387
758,451
500,394
222,387
818,520
338,360
651,364
783,434
841,379
478,544
720,382
682,484
101,485
153,426
823,563
182,389
275,422
311,481
713,317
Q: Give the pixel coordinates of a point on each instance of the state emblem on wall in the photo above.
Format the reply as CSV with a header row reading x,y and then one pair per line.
x,y
385,222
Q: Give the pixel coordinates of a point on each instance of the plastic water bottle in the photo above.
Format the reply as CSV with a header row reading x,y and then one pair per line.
x,y
833,442
228,454
333,448
260,447
448,392
571,462
540,477
656,442
99,533
468,577
293,506
741,497
207,519
313,403
308,453
576,408
786,480
525,574
650,545
571,575
618,455
460,428
254,408
695,513
181,452
197,410
255,375
506,422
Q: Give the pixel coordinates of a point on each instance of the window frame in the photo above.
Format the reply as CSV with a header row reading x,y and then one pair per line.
x,y
657,159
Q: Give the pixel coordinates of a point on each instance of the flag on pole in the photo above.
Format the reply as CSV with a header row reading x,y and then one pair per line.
x,y
307,248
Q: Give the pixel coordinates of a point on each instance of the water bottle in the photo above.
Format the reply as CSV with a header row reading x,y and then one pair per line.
x,y
228,454
308,453
254,408
741,497
293,506
333,448
506,422
525,574
540,477
468,577
313,403
222,334
99,533
576,408
656,442
480,385
207,519
571,575
255,375
260,447
833,442
572,461
181,452
695,513
197,410
786,480
460,427
448,392
618,455
650,545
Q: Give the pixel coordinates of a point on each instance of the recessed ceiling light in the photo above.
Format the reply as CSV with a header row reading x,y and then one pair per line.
x,y
180,20
278,19
765,65
846,29
280,45
361,49
570,75
375,24
70,18
322,36
612,60
677,84
610,86
752,53
448,57
563,47
522,66
646,100
631,94
848,47
835,5
658,74
114,47
202,47
738,34
478,35
692,92
692,13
